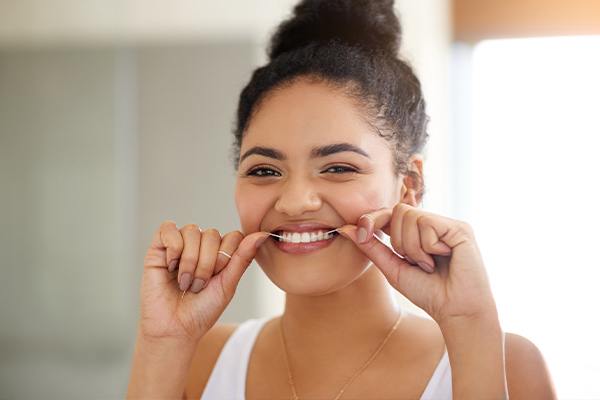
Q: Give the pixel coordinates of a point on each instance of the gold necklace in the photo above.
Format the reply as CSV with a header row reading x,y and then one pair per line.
x,y
358,372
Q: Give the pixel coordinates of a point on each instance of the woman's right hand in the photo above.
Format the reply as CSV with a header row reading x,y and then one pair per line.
x,y
210,278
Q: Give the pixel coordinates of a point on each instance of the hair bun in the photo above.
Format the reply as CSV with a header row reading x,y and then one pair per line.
x,y
371,24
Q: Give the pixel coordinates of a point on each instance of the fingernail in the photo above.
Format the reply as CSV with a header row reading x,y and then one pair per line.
x,y
173,265
426,266
260,241
197,285
184,281
362,235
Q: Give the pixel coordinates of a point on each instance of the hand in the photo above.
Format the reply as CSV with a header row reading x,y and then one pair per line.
x,y
164,314
441,269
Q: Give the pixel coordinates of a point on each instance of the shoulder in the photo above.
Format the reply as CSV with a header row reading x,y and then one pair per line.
x,y
205,357
527,374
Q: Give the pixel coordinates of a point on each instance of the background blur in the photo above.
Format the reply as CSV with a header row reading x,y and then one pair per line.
x,y
117,114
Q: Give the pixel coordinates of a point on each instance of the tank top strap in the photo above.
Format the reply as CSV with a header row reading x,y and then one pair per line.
x,y
439,386
228,377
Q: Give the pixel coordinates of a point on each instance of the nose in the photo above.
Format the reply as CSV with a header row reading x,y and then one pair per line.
x,y
297,197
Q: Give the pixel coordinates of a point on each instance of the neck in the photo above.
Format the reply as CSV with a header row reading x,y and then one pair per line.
x,y
356,316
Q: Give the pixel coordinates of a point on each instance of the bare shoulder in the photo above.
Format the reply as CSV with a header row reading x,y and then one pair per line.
x,y
527,374
205,357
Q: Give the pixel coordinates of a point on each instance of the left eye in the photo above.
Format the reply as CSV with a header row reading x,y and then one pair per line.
x,y
339,169
263,172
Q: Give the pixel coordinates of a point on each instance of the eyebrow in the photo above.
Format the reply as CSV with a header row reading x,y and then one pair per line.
x,y
322,151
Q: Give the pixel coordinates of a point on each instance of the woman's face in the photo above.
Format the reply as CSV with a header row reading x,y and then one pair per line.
x,y
288,175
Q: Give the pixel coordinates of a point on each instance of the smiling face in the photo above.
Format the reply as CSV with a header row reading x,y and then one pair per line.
x,y
308,156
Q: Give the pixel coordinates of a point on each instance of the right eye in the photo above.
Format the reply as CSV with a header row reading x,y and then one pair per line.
x,y
263,172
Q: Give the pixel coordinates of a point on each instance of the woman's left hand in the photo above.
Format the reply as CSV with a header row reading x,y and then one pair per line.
x,y
441,271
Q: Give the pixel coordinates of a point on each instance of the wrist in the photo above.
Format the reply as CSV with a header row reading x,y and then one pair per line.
x,y
160,366
152,338
488,321
487,316
475,346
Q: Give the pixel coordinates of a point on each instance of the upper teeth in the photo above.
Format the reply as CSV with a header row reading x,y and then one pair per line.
x,y
305,237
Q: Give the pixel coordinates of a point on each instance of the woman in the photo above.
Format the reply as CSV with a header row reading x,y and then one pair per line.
x,y
328,149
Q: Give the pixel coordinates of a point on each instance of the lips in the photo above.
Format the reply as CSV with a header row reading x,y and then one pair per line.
x,y
299,228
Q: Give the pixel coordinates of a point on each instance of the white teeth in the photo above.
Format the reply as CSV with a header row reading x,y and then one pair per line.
x,y
296,237
305,237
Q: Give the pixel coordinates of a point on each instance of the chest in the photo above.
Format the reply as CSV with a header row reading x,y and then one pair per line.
x,y
267,378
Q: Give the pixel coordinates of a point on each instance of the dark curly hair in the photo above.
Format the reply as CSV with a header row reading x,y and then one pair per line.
x,y
352,46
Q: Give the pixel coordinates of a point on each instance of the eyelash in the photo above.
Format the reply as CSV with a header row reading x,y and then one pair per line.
x,y
345,170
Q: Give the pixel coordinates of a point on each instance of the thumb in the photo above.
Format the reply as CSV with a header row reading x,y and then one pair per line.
x,y
397,271
240,259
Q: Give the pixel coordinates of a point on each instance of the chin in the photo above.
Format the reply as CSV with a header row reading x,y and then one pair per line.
x,y
314,273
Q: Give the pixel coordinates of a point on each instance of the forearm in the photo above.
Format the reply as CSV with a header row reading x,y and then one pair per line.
x,y
476,353
160,368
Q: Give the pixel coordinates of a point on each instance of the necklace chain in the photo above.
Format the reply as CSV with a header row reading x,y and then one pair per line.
x,y
356,374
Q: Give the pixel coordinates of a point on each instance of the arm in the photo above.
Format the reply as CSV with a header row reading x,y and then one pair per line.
x,y
476,352
160,368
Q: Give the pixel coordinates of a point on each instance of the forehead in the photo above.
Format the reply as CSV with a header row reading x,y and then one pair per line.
x,y
305,114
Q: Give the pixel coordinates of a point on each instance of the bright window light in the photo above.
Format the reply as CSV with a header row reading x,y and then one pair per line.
x,y
534,196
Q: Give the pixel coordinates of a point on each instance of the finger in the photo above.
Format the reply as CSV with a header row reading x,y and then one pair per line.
x,y
240,259
172,240
396,230
368,223
399,273
211,241
229,243
192,235
430,242
411,241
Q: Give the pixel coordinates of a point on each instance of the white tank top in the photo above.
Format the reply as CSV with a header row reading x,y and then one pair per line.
x,y
227,380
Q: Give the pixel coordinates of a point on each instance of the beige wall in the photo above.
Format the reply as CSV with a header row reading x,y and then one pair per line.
x,y
476,20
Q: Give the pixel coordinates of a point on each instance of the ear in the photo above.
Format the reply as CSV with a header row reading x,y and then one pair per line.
x,y
413,186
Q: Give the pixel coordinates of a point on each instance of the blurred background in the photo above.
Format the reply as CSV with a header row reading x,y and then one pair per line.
x,y
117,114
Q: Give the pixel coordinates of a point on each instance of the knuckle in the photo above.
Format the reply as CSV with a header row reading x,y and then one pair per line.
x,y
176,246
234,235
425,220
168,224
211,232
465,227
190,228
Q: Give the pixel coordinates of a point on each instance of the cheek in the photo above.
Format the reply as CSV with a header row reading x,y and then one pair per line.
x,y
252,205
352,202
